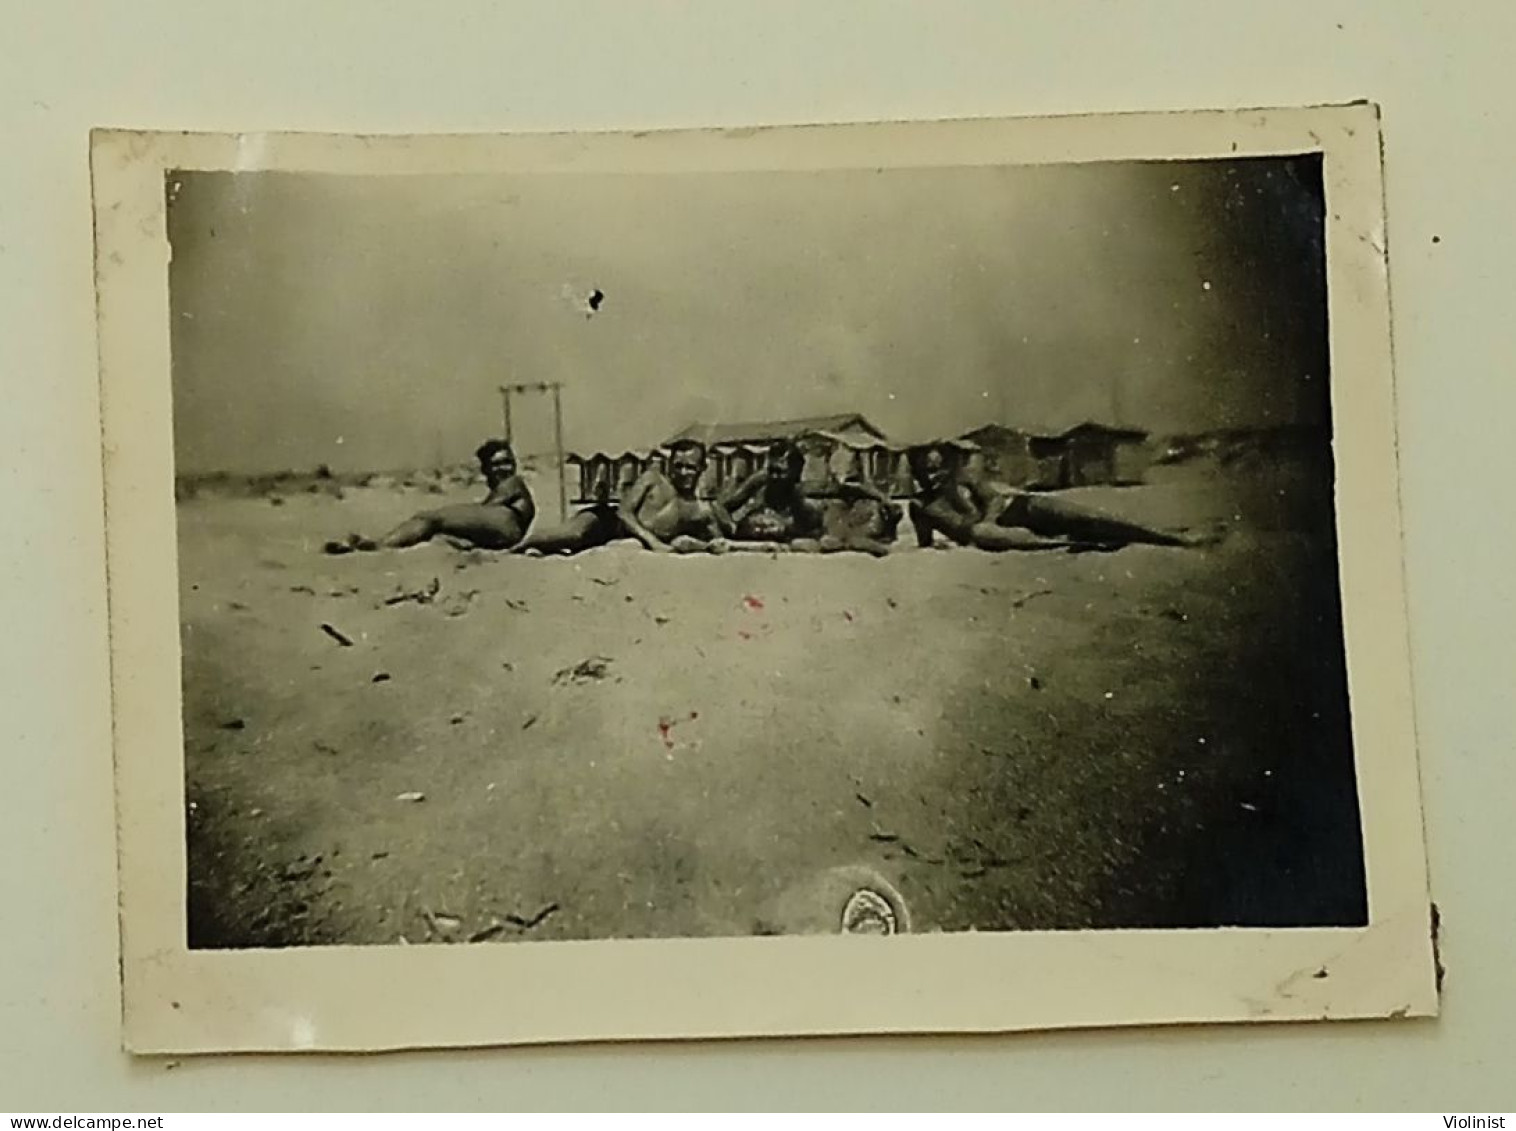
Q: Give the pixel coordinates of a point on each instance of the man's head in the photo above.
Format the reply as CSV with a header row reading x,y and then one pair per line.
x,y
931,467
496,460
686,465
786,462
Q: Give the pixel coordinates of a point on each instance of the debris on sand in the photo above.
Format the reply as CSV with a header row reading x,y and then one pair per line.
x,y
915,855
351,544
864,801
381,677
530,719
594,668
303,868
412,795
666,729
337,635
535,921
1032,596
306,589
1034,682
234,724
423,596
484,934
458,604
884,838
517,606
605,581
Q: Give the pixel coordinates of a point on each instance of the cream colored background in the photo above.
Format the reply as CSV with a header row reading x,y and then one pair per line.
x,y
1442,81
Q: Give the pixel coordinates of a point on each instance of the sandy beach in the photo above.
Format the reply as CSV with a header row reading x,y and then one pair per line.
x,y
444,746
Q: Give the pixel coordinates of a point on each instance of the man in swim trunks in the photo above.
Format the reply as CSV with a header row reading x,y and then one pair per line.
x,y
972,511
771,508
498,523
662,512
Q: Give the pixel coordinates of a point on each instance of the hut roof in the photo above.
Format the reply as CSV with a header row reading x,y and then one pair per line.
x,y
768,430
992,434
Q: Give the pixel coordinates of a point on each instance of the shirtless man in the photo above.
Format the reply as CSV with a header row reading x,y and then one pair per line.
x,y
660,511
770,508
971,511
498,523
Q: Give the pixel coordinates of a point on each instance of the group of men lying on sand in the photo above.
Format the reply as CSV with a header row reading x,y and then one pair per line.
x,y
771,511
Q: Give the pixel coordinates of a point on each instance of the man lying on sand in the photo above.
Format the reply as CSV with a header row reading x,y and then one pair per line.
x,y
862,519
770,509
660,511
972,511
498,523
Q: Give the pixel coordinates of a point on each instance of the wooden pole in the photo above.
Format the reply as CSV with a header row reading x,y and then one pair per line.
x,y
505,398
558,447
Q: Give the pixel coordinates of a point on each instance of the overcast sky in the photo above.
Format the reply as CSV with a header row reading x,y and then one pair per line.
x,y
365,322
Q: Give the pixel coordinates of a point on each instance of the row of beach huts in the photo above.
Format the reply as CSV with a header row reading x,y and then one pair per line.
x,y
1087,454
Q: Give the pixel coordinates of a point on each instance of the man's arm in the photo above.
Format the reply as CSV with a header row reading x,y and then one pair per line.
x,y
700,533
733,500
631,503
866,489
709,523
514,493
810,514
938,517
988,495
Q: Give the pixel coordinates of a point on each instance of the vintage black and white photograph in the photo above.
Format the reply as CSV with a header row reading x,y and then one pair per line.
x,y
593,557
706,550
